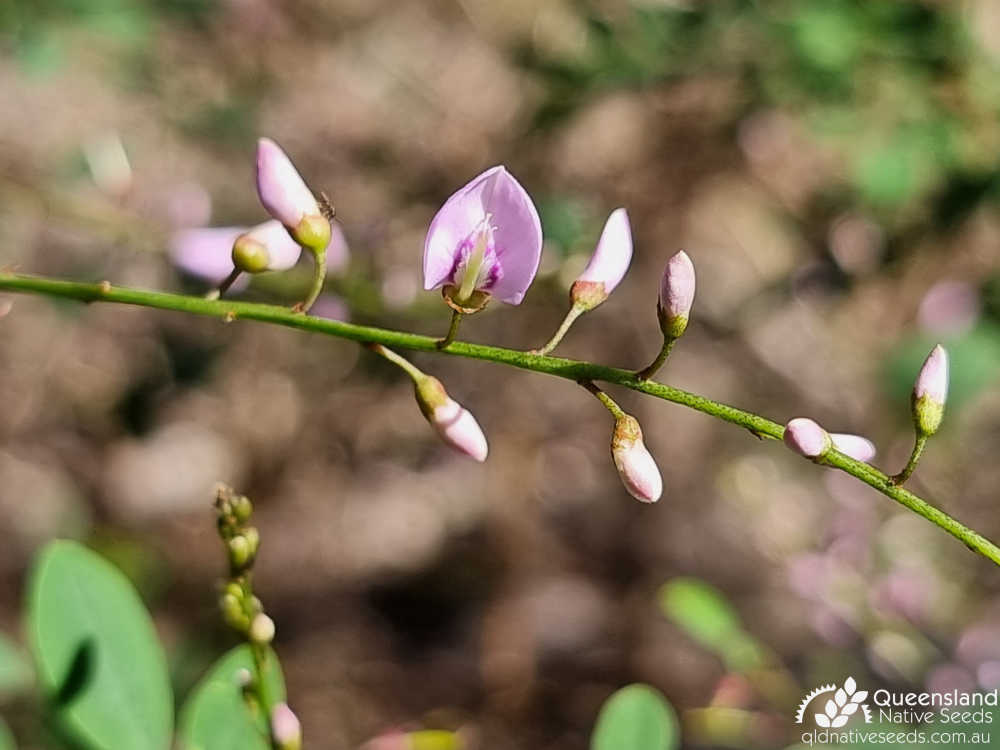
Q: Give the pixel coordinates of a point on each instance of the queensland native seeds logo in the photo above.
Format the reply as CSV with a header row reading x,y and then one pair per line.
x,y
838,708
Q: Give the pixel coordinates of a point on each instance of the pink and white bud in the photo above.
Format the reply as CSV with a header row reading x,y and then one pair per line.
x,y
453,422
855,446
286,728
635,464
281,250
807,438
607,265
282,190
930,392
676,295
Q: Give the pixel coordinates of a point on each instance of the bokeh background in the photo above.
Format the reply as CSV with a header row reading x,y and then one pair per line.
x,y
832,169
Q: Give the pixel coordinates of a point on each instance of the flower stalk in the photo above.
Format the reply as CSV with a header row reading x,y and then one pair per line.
x,y
569,369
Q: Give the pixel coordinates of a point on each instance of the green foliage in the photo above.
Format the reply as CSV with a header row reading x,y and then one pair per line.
x,y
15,671
6,738
216,716
637,717
704,614
433,739
96,652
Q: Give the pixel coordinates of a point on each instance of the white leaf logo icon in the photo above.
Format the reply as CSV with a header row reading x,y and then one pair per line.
x,y
839,722
859,697
850,686
831,709
849,710
822,721
840,697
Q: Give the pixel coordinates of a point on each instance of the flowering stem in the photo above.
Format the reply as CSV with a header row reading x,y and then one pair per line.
x,y
918,449
319,278
402,362
224,286
574,312
558,366
656,364
605,399
456,321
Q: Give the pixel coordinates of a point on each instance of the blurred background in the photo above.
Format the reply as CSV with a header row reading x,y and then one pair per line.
x,y
832,169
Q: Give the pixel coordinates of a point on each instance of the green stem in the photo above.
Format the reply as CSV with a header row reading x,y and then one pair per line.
x,y
616,411
456,321
402,362
574,312
224,286
918,449
319,278
656,364
560,367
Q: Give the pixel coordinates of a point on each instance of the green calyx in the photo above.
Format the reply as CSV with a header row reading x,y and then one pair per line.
x,y
312,233
927,415
627,432
430,394
250,255
673,327
587,294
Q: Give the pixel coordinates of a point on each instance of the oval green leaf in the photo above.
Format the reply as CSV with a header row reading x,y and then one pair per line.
x,y
637,717
216,717
96,651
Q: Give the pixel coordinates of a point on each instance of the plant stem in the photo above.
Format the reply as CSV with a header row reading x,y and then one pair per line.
x,y
319,278
574,312
456,320
401,362
656,364
560,367
224,286
616,411
918,448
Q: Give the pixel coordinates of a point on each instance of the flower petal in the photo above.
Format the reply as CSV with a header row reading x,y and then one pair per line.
x,y
281,248
205,252
613,254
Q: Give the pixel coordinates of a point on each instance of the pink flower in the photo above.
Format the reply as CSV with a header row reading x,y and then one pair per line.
x,y
459,429
282,190
932,382
855,446
930,392
607,265
676,294
281,252
487,237
205,252
286,728
636,467
806,438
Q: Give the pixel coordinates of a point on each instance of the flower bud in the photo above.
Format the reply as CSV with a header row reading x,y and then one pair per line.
x,y
240,551
250,255
636,467
242,508
676,295
454,423
807,438
608,264
930,392
282,190
285,728
261,629
855,446
233,614
313,232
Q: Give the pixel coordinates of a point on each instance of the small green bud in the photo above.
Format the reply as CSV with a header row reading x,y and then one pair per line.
x,y
233,614
587,294
242,508
253,539
261,630
927,415
430,395
234,589
240,552
313,233
250,255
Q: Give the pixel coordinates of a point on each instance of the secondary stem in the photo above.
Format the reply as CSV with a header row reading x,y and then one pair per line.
x,y
656,364
456,321
319,278
605,399
565,368
574,312
918,449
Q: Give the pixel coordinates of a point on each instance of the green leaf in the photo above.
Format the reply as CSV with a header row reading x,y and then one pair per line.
x,y
15,671
97,654
216,716
637,717
6,738
701,610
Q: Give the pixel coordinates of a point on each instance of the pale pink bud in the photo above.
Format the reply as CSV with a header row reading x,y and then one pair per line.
x,y
459,429
282,251
676,294
285,728
806,438
261,629
636,467
855,446
931,391
608,264
282,190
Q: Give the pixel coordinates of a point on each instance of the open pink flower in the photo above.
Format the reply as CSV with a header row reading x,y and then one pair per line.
x,y
487,237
